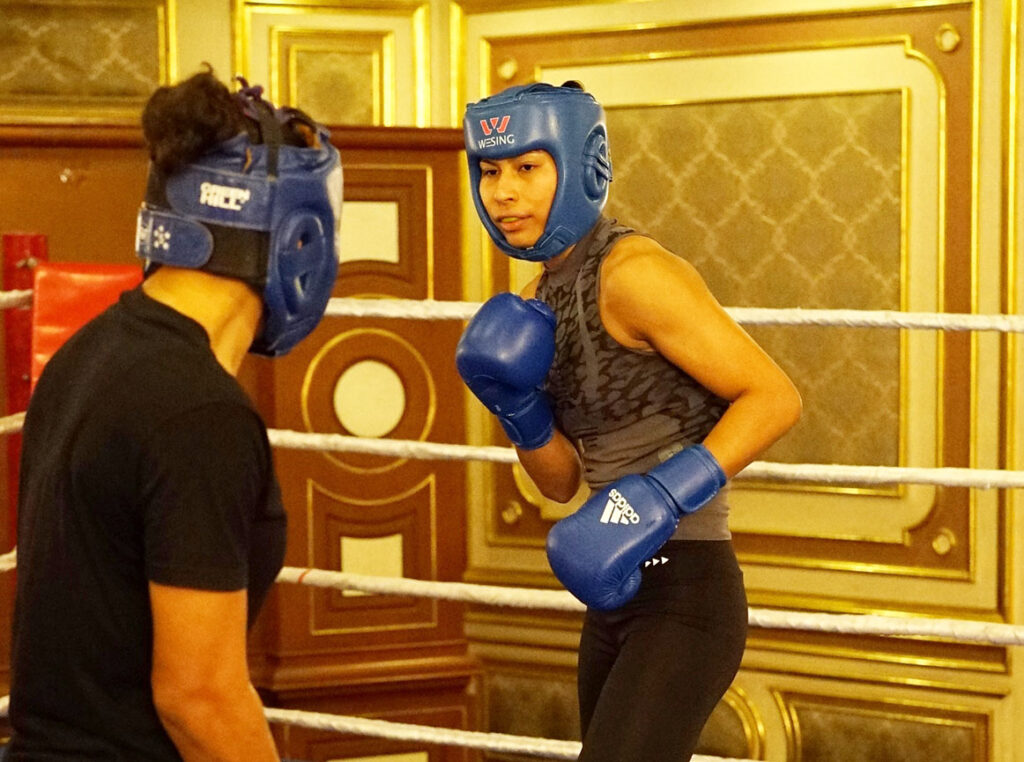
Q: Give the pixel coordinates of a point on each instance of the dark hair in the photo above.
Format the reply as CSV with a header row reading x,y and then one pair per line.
x,y
182,122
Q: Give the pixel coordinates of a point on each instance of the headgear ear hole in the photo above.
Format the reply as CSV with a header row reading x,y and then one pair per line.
x,y
596,166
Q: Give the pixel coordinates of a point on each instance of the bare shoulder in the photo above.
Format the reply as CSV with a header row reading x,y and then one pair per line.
x,y
640,265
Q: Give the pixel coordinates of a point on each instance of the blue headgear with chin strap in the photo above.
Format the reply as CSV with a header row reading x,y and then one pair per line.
x,y
569,124
267,213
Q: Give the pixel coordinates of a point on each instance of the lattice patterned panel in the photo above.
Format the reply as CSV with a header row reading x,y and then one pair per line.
x,y
786,202
832,727
75,61
341,77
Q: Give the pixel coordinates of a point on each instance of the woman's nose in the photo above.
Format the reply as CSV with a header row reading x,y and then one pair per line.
x,y
506,188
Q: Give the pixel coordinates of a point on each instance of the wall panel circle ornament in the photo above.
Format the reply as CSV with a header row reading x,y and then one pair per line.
x,y
947,38
379,371
508,69
944,541
369,399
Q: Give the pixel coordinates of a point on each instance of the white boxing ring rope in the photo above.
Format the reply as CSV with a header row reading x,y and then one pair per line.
x,y
958,630
400,731
816,472
430,309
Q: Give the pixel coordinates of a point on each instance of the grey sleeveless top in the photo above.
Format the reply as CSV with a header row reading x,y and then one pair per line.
x,y
626,410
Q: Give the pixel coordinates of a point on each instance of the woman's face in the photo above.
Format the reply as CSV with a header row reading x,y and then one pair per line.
x,y
517,195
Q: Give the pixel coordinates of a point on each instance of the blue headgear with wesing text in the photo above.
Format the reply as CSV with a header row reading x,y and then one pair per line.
x,y
265,212
569,124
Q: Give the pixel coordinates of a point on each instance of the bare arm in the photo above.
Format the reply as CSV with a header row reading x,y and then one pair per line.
x,y
200,676
651,299
555,468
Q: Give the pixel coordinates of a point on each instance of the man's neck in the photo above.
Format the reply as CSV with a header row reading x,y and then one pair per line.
x,y
226,308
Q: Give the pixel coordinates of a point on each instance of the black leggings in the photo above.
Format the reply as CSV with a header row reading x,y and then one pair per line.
x,y
651,672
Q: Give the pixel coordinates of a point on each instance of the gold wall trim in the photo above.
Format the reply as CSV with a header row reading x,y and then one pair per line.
x,y
422,64
370,6
727,51
757,644
918,572
477,7
745,708
456,61
1012,300
169,43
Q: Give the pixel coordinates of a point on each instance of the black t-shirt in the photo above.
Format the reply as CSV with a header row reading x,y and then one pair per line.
x,y
142,460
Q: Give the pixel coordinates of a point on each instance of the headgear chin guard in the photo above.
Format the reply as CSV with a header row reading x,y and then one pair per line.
x,y
266,213
569,124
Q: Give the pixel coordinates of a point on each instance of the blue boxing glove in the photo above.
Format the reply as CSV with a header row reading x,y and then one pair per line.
x,y
598,551
504,356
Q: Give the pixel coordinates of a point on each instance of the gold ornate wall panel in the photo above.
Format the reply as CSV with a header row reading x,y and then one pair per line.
x,y
813,161
782,202
342,77
346,63
823,156
74,62
385,187
366,514
829,727
541,702
332,384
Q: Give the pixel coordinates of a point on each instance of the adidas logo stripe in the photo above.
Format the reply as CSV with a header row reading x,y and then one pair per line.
x,y
613,514
618,510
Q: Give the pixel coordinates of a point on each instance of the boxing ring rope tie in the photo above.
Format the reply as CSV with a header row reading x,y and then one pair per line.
x,y
11,424
14,299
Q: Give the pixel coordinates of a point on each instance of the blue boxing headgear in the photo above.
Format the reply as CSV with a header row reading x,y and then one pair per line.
x,y
267,213
566,122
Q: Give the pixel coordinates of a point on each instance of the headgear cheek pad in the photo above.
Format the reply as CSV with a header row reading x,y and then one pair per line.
x,y
569,124
274,212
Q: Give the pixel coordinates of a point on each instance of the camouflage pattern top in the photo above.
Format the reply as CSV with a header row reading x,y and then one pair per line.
x,y
626,410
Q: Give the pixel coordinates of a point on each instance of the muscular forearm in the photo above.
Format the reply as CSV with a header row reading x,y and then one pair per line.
x,y
751,424
555,468
219,726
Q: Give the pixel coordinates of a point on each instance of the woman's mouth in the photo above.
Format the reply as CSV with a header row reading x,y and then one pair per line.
x,y
510,223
